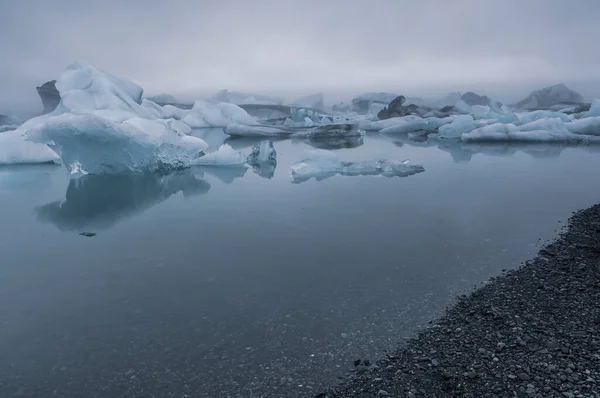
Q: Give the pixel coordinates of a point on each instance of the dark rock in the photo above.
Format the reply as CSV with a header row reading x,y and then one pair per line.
x,y
49,95
88,234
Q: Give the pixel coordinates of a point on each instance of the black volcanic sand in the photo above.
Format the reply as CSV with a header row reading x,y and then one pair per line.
x,y
533,332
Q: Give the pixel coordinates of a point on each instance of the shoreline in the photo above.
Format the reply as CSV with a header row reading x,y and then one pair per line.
x,y
532,332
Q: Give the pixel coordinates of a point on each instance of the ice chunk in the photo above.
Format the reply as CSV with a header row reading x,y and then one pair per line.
x,y
528,117
594,109
322,164
480,111
96,145
548,96
413,123
461,124
263,159
263,152
240,130
375,108
587,126
544,130
203,115
224,156
15,149
462,107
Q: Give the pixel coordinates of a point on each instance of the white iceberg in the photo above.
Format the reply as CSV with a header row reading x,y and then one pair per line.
x,y
100,127
594,109
461,124
225,155
164,112
14,149
541,130
524,118
412,123
205,115
480,111
322,164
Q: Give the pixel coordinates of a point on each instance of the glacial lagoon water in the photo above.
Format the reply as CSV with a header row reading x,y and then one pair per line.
x,y
232,282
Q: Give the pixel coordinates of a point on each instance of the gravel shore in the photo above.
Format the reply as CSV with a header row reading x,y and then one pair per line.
x,y
532,332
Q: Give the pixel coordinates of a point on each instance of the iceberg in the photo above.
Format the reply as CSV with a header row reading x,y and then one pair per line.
x,y
411,123
461,124
101,127
594,109
15,149
322,164
480,111
164,112
542,130
225,155
524,118
586,126
205,115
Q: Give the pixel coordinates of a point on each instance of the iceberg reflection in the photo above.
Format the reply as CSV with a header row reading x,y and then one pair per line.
x,y
100,201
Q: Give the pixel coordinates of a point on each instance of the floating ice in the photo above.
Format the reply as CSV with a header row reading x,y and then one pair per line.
x,y
98,146
101,127
203,115
413,123
239,130
528,117
164,112
480,111
263,152
14,149
594,109
322,164
542,130
587,126
461,124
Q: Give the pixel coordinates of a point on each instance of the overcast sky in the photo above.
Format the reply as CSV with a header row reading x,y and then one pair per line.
x,y
291,48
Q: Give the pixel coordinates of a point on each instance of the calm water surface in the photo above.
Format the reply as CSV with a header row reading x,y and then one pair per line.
x,y
232,282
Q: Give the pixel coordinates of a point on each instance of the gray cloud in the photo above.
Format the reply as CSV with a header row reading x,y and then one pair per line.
x,y
287,47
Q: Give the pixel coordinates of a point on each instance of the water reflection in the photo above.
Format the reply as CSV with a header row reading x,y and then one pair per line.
x,y
335,142
464,151
100,201
226,174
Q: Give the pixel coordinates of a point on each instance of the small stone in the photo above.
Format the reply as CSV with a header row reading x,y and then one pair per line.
x,y
523,376
500,345
434,363
383,393
344,335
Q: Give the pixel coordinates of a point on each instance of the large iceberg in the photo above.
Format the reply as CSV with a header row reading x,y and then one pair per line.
x,y
322,164
541,130
100,127
205,115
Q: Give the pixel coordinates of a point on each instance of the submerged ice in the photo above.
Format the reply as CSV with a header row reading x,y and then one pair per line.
x,y
322,164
